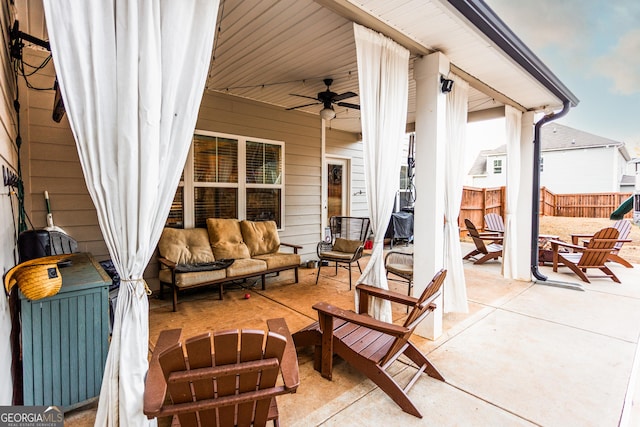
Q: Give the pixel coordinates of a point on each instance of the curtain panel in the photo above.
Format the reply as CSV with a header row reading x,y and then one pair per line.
x,y
513,123
132,75
383,74
455,287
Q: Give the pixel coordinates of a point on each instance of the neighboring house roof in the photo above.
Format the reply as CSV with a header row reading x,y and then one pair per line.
x,y
554,137
628,180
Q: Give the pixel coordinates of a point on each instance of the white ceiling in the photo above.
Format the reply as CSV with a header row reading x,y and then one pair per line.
x,y
267,50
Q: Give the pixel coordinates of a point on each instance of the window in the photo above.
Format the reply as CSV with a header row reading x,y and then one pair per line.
x,y
228,176
404,178
497,166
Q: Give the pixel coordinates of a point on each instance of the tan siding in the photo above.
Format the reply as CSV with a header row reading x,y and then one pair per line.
x,y
54,166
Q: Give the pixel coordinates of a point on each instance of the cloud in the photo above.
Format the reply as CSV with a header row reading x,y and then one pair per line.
x,y
622,64
546,23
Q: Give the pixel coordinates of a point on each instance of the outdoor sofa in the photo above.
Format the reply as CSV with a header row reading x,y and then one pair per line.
x,y
227,250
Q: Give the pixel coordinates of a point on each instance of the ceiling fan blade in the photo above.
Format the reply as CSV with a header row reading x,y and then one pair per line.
x,y
304,96
305,105
344,96
349,105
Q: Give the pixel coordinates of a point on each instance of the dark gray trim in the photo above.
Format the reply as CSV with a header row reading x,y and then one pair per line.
x,y
485,19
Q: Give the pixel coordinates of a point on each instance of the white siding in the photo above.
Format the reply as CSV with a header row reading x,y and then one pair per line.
x,y
492,179
580,171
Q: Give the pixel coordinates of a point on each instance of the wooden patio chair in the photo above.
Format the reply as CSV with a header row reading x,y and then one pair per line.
x,y
624,228
489,251
494,223
347,243
369,345
229,383
593,255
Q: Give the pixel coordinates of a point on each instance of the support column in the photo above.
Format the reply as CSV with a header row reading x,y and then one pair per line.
x,y
523,250
429,181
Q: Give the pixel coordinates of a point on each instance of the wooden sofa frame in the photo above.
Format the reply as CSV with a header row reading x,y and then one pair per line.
x,y
172,266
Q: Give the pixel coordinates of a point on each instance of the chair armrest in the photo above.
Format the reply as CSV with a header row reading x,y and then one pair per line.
x,y
289,364
358,253
489,236
290,245
401,257
576,237
323,247
360,319
368,290
555,245
168,263
155,385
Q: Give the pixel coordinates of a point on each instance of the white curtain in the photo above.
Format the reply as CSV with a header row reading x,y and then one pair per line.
x,y
132,74
383,74
513,123
455,287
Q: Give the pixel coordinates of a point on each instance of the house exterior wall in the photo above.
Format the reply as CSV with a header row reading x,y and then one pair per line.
x,y
580,171
592,170
53,164
492,179
8,158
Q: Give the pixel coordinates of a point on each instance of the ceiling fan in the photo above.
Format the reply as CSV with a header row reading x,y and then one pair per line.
x,y
327,99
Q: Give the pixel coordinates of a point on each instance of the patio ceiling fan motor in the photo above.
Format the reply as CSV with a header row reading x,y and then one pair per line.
x,y
328,99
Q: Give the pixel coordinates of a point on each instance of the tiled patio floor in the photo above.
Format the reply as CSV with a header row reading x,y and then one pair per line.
x,y
525,354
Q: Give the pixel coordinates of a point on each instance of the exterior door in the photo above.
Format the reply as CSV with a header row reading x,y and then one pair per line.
x,y
338,177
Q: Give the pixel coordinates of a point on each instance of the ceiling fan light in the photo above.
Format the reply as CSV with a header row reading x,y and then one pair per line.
x,y
327,113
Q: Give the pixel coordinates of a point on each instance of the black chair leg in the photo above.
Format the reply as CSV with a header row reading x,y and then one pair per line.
x,y
318,275
357,262
349,276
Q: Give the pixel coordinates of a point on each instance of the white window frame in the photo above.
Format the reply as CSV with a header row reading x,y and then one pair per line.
x,y
188,183
497,164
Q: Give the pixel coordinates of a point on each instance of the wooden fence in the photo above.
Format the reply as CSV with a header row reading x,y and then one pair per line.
x,y
477,202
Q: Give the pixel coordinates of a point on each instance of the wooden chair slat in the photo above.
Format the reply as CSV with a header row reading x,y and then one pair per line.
x,y
172,359
250,349
199,353
226,352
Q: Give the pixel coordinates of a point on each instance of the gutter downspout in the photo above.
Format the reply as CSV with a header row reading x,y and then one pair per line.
x,y
535,218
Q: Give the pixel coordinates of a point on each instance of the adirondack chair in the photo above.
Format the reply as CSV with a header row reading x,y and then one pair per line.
x,y
369,345
624,228
494,223
593,255
489,251
347,243
225,387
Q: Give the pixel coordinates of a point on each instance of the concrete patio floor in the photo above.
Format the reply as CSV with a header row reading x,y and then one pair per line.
x,y
525,354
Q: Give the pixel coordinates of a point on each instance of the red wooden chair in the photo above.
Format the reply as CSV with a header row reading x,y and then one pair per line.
x,y
369,345
218,384
487,252
593,255
624,228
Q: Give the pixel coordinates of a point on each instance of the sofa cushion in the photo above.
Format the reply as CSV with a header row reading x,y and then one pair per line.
x,y
185,246
245,266
226,238
346,245
261,237
185,280
280,260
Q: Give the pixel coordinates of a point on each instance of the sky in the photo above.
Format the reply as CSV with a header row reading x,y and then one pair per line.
x,y
593,47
